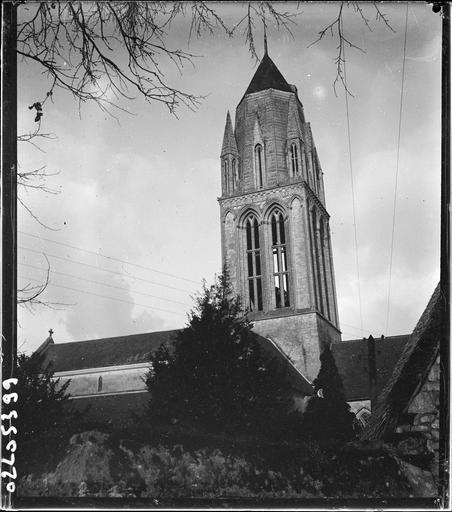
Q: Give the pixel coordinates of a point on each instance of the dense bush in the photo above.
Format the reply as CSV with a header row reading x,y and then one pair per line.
x,y
43,406
216,376
328,418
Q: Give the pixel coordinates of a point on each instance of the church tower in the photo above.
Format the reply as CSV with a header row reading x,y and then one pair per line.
x,y
274,224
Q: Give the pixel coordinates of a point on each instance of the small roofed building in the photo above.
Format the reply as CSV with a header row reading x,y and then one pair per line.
x,y
109,374
408,410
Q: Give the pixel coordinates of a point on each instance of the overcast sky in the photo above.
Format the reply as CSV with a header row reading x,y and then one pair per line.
x,y
143,189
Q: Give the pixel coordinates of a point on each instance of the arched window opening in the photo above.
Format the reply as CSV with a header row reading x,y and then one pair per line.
x,y
317,262
324,267
235,177
99,384
253,254
362,417
225,176
311,227
294,159
279,251
259,163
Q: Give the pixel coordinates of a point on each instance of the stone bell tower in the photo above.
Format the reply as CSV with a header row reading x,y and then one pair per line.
x,y
274,224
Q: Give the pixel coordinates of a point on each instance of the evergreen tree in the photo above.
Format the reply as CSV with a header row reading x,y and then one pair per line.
x,y
327,416
216,375
42,406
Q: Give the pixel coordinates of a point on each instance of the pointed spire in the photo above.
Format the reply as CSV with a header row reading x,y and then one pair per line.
x,y
229,143
268,76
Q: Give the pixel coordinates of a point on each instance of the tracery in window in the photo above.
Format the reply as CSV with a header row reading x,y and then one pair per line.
x,y
279,251
259,165
253,255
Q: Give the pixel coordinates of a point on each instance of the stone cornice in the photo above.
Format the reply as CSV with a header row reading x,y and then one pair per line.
x,y
111,393
286,312
253,196
103,369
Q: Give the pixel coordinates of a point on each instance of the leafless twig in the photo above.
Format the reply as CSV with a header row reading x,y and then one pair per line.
x,y
336,29
30,295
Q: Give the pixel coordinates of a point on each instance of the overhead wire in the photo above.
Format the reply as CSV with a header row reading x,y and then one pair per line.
x,y
130,276
388,308
109,257
346,92
105,296
104,284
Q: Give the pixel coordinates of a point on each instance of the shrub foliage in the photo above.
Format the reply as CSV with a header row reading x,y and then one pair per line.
x,y
216,375
42,406
328,416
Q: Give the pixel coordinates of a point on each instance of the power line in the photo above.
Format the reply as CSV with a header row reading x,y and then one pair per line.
x,y
353,194
105,269
109,257
397,170
354,327
105,296
104,284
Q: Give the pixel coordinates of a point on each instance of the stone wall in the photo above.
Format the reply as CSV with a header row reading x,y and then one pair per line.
x,y
301,337
123,378
423,415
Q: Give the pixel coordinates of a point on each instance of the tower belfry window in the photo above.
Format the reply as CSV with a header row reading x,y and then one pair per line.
x,y
279,252
259,165
99,384
253,255
294,159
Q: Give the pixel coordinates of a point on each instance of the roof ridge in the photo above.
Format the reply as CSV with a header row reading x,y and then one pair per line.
x,y
113,338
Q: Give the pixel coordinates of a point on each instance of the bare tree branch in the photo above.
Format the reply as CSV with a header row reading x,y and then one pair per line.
x,y
336,29
31,295
36,179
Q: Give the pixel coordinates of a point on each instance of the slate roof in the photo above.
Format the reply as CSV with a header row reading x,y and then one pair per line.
x,y
352,361
136,348
411,369
267,76
81,355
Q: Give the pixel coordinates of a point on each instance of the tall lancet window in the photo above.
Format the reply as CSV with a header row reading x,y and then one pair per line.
x,y
316,262
324,266
294,159
235,176
225,175
253,255
259,165
280,272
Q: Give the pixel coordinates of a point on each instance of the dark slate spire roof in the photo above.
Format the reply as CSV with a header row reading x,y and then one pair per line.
x,y
268,76
229,143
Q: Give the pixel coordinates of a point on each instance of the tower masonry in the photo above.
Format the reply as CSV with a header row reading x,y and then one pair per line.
x,y
275,233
